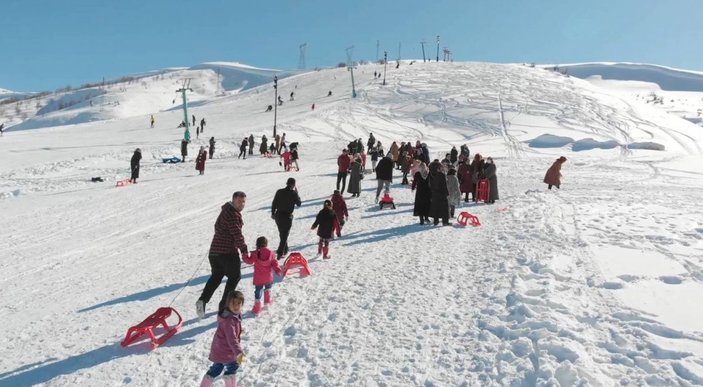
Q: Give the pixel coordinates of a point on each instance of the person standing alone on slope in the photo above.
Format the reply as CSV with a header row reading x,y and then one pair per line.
x,y
282,208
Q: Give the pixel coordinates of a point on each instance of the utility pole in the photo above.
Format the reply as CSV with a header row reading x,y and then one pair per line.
x,y
385,62
423,51
275,103
182,90
398,51
351,68
437,48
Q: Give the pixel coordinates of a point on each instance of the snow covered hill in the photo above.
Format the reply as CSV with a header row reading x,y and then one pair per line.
x,y
592,284
130,96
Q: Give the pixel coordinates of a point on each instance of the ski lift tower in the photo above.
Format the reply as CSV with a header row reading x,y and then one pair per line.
x,y
351,68
423,51
275,103
301,61
182,90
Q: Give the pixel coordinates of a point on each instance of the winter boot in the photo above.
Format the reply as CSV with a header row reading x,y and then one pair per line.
x,y
267,297
230,380
200,309
319,247
207,381
257,308
326,252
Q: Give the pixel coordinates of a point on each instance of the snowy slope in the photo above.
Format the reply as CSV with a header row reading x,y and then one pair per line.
x,y
593,284
131,96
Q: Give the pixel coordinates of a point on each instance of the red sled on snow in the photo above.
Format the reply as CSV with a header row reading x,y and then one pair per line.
x,y
387,201
152,322
296,259
124,183
483,190
465,218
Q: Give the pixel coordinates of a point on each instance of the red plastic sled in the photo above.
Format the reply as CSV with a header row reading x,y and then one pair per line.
x,y
483,190
124,183
464,218
149,324
296,259
387,201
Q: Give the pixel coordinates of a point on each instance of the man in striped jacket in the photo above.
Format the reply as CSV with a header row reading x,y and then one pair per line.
x,y
225,249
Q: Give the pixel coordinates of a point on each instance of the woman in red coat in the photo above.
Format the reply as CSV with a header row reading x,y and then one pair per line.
x,y
200,161
553,175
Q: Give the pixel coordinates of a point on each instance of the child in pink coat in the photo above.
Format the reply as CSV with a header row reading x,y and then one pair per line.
x,y
265,263
226,351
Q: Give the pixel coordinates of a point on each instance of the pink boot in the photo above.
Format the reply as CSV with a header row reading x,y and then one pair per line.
x,y
207,381
257,308
267,297
230,380
319,247
325,252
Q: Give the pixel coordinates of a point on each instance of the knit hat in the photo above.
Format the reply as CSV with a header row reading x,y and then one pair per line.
x,y
290,182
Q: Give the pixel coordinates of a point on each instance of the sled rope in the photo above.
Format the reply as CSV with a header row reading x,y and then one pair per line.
x,y
187,282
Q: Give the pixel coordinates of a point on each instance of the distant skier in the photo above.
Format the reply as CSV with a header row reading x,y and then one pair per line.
x,y
553,176
212,147
134,165
152,121
327,221
243,148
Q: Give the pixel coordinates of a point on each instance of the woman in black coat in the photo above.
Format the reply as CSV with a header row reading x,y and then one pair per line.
x,y
134,164
489,172
439,207
423,194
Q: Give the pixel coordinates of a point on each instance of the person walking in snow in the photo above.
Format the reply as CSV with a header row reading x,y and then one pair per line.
x,y
454,191
263,148
384,176
197,132
355,176
134,165
212,147
453,155
313,107
277,138
489,172
265,264
184,150
343,165
200,160
373,152
193,119
202,125
282,207
226,350
476,171
291,96
439,205
251,144
282,144
225,249
371,142
464,174
340,209
423,194
553,175
152,121
243,148
327,222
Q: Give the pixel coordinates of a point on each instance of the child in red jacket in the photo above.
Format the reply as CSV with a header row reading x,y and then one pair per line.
x,y
265,263
340,209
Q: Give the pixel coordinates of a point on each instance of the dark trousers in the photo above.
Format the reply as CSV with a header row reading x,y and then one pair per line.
x,y
284,223
222,265
341,176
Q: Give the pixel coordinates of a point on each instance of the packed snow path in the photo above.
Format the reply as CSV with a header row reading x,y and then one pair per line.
x,y
548,290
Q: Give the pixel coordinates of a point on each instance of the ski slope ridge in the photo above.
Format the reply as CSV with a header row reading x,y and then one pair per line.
x,y
591,284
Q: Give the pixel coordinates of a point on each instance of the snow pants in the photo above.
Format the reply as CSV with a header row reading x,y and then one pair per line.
x,y
222,265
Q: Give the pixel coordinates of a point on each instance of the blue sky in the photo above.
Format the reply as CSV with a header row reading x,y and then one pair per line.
x,y
51,44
